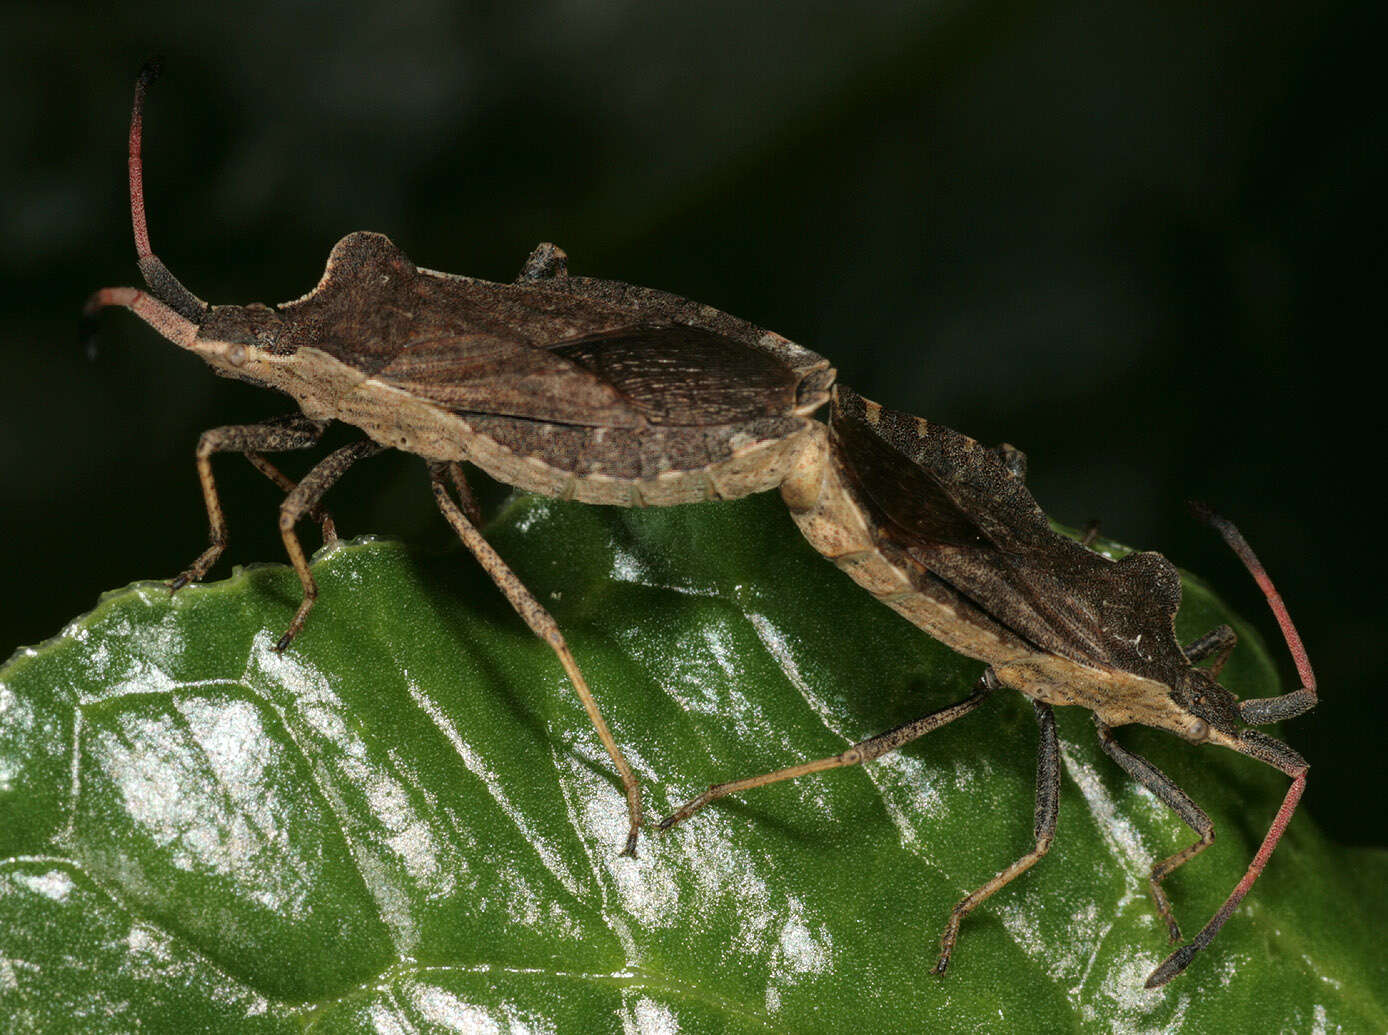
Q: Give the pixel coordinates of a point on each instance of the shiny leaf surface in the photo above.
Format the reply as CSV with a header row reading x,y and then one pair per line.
x,y
406,823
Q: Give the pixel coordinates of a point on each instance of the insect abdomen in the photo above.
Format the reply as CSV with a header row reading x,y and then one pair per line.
x,y
651,467
836,522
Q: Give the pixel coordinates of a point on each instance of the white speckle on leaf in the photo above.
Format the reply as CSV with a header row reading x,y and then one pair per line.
x,y
1230,967
387,1021
204,784
1314,969
141,941
1068,956
719,642
1121,1001
644,892
1114,827
443,1011
54,884
1320,1024
17,721
909,791
800,951
446,1012
626,567
647,1017
140,676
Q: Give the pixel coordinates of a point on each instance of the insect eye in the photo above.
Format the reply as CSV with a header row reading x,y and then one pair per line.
x,y
236,355
1199,729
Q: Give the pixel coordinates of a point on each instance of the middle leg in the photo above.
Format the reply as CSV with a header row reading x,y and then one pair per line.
x,y
1046,815
303,500
1145,773
279,435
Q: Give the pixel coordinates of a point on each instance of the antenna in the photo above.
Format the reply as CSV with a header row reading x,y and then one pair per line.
x,y
163,284
1255,745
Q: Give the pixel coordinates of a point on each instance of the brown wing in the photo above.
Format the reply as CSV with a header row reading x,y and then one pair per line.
x,y
686,376
480,373
537,353
907,488
671,375
952,505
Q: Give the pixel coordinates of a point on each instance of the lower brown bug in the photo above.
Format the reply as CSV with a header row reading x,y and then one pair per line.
x,y
943,530
572,387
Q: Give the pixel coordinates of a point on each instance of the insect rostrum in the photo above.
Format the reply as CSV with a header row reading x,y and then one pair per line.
x,y
603,392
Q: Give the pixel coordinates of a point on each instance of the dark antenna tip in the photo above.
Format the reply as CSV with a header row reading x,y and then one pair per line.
x,y
1207,515
150,70
1202,512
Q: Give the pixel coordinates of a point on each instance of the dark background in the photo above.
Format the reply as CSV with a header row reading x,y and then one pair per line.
x,y
1143,243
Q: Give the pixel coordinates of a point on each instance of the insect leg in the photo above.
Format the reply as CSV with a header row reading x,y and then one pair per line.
x,y
1279,756
544,626
288,485
863,751
1047,812
1145,773
1218,643
465,496
285,433
301,501
1091,533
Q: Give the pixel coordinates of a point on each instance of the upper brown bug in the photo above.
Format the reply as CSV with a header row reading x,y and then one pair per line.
x,y
572,387
943,530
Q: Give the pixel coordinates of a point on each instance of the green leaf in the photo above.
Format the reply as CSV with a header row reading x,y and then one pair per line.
x,y
405,822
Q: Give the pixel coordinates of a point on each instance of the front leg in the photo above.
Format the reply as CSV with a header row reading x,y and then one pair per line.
x,y
273,436
1145,773
288,485
1218,644
302,501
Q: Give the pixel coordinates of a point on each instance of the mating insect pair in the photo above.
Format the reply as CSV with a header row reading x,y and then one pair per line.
x,y
603,392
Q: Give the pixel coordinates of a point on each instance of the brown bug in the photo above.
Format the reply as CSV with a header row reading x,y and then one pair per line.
x,y
572,387
943,530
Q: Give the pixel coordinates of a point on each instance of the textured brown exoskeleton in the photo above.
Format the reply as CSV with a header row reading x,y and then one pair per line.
x,y
943,530
572,387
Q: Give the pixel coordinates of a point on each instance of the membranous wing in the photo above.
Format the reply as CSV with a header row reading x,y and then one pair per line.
x,y
951,504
